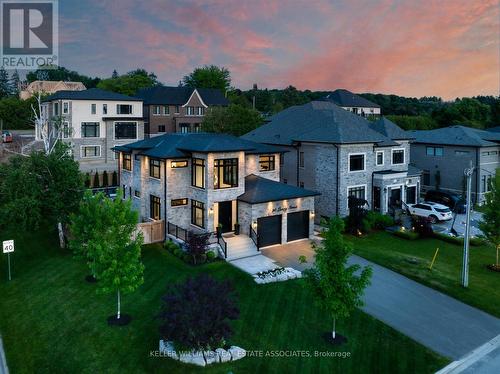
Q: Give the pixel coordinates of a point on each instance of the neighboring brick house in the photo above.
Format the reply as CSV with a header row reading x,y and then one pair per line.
x,y
177,109
444,153
340,154
354,103
199,181
94,121
49,87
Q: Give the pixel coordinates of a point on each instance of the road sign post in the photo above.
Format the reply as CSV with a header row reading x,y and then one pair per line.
x,y
8,247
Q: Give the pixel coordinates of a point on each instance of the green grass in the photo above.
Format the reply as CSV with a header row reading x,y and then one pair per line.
x,y
53,321
393,253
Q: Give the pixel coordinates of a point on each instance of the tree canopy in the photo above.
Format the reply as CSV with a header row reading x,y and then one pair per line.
x,y
60,73
490,224
129,83
234,119
209,76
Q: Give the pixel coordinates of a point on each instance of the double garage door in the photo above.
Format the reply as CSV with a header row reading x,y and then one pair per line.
x,y
270,228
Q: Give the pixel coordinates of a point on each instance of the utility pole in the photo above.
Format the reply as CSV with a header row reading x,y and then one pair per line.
x,y
465,265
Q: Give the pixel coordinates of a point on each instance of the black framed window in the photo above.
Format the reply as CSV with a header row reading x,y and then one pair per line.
x,y
104,108
357,192
198,173
154,168
137,193
123,109
90,129
266,163
225,173
93,108
301,159
433,151
161,128
398,156
166,110
91,151
125,130
178,202
154,207
177,109
380,158
178,164
356,162
198,213
126,161
185,128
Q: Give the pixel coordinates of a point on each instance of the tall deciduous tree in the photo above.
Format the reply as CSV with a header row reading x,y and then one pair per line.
x,y
130,83
209,76
490,224
336,286
234,119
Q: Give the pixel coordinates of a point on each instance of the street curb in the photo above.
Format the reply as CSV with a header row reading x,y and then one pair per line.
x,y
3,361
472,357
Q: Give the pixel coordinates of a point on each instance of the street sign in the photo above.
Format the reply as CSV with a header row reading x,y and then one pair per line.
x,y
8,246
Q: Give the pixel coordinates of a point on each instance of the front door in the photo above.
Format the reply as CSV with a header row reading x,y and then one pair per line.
x,y
376,199
226,215
395,198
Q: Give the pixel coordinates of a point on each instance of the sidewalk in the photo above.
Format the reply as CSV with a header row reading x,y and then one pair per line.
x,y
3,362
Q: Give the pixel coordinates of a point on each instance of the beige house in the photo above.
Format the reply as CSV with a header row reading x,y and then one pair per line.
x,y
49,87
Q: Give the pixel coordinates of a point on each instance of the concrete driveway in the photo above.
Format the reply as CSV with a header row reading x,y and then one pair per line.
x,y
441,323
459,224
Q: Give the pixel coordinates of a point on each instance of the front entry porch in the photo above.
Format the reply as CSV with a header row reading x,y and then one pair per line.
x,y
393,189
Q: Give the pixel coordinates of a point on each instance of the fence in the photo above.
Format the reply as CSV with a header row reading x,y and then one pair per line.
x,y
152,232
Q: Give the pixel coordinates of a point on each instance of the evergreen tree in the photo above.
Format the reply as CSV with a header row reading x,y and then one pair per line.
x,y
15,83
105,180
96,183
4,83
115,74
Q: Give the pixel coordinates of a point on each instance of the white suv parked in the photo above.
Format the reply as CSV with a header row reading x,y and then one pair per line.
x,y
434,211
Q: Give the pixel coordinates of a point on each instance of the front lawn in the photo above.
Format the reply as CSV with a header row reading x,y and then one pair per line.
x,y
397,254
51,320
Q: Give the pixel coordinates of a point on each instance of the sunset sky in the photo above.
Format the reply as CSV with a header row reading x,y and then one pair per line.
x,y
447,48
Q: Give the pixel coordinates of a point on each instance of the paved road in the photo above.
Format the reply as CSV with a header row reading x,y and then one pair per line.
x,y
443,324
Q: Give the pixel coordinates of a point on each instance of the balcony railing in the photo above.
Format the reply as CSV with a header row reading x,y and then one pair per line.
x,y
177,232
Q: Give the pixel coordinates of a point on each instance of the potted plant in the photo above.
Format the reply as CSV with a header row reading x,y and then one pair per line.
x,y
236,228
218,230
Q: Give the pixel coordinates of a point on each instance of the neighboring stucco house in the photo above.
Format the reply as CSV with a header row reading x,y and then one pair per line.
x,y
444,153
94,121
198,181
177,109
354,103
49,87
340,154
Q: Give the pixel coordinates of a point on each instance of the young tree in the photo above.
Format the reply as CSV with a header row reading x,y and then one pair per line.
x,y
490,224
197,313
114,74
197,246
234,119
335,285
119,266
209,76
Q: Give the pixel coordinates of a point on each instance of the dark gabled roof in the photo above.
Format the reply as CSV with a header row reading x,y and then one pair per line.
x,y
457,135
389,129
90,94
494,129
345,98
317,121
180,95
261,190
182,145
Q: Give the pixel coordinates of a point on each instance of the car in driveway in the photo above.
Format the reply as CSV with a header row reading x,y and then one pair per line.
x,y
6,137
451,200
434,211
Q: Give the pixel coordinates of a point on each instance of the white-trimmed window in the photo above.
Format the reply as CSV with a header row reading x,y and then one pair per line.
x,y
398,156
156,110
65,107
357,162
379,158
65,133
123,109
166,110
190,111
90,151
200,111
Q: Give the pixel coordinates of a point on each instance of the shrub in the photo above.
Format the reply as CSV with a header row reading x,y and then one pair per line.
x,y
97,182
105,179
170,246
458,241
177,252
408,235
114,179
197,246
197,313
378,221
422,226
211,256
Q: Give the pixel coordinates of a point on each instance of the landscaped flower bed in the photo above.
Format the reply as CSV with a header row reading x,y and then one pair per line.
x,y
202,358
276,275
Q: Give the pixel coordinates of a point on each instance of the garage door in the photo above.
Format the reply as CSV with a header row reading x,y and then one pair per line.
x,y
269,230
297,225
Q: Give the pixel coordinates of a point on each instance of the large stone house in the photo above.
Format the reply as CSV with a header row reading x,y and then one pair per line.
x,y
354,103
177,109
340,154
93,121
444,153
198,182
